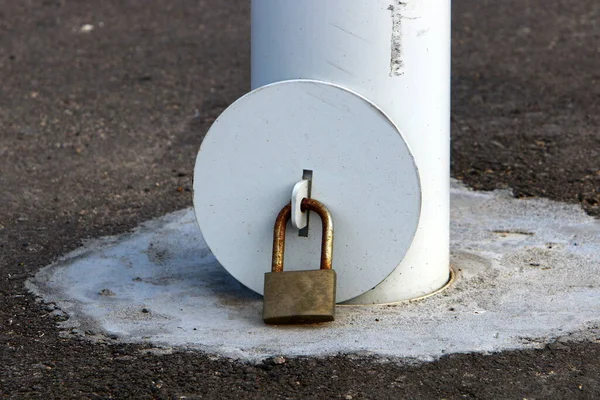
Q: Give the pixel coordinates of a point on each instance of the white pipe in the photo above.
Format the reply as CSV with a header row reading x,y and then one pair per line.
x,y
396,54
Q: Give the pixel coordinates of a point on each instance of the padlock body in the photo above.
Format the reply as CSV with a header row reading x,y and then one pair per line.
x,y
295,297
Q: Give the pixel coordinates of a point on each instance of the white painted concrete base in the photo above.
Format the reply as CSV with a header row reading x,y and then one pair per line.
x,y
529,274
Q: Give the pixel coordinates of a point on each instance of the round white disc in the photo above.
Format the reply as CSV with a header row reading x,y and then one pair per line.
x,y
363,171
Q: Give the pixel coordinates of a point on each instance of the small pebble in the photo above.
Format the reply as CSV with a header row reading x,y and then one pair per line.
x,y
278,360
86,28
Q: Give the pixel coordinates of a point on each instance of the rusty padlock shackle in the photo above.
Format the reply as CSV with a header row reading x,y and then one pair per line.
x,y
280,227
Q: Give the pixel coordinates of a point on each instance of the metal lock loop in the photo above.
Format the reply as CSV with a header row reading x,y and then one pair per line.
x,y
326,238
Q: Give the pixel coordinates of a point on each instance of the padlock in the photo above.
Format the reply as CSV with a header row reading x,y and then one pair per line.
x,y
295,297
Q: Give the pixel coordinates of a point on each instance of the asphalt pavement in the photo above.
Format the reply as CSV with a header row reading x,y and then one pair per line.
x,y
103,106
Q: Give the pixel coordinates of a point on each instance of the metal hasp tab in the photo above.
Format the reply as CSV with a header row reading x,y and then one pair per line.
x,y
294,297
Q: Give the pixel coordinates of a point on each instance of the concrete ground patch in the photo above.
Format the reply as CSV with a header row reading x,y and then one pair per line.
x,y
528,274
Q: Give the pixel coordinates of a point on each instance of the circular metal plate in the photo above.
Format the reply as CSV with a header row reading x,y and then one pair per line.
x,y
363,171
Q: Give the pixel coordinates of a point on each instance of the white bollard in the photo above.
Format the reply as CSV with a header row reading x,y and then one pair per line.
x,y
396,54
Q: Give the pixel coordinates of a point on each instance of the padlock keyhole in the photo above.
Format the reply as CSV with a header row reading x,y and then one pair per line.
x,y
308,175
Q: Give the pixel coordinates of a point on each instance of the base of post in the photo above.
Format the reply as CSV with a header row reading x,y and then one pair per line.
x,y
453,276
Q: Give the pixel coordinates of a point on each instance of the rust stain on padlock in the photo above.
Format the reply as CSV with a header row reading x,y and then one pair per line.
x,y
326,239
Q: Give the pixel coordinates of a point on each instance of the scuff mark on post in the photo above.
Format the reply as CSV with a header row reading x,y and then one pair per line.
x,y
350,33
396,61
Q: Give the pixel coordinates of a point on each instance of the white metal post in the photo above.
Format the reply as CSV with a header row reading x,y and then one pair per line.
x,y
396,54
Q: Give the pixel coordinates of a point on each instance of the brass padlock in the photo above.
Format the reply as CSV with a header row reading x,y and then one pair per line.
x,y
294,297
